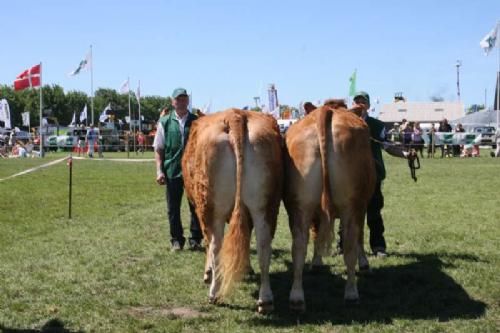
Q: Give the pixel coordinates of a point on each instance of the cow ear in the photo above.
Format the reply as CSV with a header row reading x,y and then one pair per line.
x,y
309,107
357,110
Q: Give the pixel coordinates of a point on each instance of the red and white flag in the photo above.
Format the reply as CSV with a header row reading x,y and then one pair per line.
x,y
30,78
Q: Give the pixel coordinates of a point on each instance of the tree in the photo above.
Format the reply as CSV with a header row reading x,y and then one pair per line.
x,y
475,108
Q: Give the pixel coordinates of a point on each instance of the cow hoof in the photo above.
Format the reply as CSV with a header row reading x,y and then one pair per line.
x,y
207,277
213,300
265,307
318,269
351,302
298,306
365,269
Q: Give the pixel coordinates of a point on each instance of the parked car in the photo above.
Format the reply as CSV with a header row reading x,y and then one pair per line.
x,y
487,135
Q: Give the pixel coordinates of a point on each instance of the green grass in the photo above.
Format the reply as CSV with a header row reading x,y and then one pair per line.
x,y
109,269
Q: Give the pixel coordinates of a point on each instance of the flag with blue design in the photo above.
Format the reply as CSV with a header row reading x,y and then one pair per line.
x,y
491,40
84,64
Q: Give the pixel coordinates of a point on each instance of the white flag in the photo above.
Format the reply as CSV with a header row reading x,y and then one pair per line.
x,y
490,40
5,113
73,120
84,64
138,93
104,115
26,118
207,108
276,112
83,115
124,89
127,119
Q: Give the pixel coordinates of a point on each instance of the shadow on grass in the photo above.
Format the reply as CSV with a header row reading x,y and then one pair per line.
x,y
418,290
52,326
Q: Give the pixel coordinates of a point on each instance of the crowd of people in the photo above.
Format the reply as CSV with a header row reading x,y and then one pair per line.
x,y
411,136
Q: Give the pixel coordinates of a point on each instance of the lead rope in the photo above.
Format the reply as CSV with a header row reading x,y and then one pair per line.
x,y
411,159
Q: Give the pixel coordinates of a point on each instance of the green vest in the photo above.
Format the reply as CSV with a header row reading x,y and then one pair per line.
x,y
376,127
174,145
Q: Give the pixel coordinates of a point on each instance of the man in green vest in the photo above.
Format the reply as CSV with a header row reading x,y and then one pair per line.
x,y
171,137
378,142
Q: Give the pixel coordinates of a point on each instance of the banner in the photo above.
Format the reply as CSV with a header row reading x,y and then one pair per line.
x,y
273,97
26,118
5,113
448,138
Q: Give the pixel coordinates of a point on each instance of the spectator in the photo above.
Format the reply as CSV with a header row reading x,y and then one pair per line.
x,y
407,130
90,140
81,141
444,127
394,133
431,146
140,141
497,141
457,148
417,139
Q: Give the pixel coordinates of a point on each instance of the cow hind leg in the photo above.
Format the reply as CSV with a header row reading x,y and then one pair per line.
x,y
352,222
322,232
299,225
207,274
214,258
363,264
263,234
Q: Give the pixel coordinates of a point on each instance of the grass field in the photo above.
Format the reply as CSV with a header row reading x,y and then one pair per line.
x,y
109,269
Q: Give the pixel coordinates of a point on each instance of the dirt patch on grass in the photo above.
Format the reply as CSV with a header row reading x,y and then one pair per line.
x,y
174,313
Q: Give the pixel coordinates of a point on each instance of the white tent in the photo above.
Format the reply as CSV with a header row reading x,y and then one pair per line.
x,y
481,118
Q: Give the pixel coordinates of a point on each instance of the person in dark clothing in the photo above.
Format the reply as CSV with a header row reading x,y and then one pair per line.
x,y
457,148
171,138
445,127
378,142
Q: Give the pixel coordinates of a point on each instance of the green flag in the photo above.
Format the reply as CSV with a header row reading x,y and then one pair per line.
x,y
352,84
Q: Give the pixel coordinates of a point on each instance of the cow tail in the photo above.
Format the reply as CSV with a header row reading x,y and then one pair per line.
x,y
324,232
235,253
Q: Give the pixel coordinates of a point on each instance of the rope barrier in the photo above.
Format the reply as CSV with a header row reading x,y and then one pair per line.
x,y
34,169
74,158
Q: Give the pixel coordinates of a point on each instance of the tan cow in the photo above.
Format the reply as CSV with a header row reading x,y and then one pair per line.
x,y
232,169
329,172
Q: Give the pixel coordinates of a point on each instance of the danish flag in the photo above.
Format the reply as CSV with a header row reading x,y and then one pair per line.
x,y
30,78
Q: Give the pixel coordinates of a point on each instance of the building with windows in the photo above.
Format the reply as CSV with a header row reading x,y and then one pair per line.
x,y
423,112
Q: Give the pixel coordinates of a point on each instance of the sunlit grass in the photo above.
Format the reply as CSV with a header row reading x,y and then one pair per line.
x,y
110,268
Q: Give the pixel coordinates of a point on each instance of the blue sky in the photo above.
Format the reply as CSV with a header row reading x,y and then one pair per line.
x,y
229,51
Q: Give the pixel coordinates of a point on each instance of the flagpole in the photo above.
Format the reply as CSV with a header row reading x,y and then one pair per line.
x,y
131,126
139,102
41,114
92,83
497,106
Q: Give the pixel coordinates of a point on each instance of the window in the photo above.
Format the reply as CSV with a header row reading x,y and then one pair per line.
x,y
401,110
439,110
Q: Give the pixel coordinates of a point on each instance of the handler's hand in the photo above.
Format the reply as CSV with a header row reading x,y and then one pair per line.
x,y
411,155
160,179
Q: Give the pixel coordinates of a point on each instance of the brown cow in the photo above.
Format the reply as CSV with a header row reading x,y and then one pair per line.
x,y
329,172
232,169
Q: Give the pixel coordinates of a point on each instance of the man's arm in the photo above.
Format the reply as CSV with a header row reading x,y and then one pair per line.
x,y
160,174
159,148
395,150
392,149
